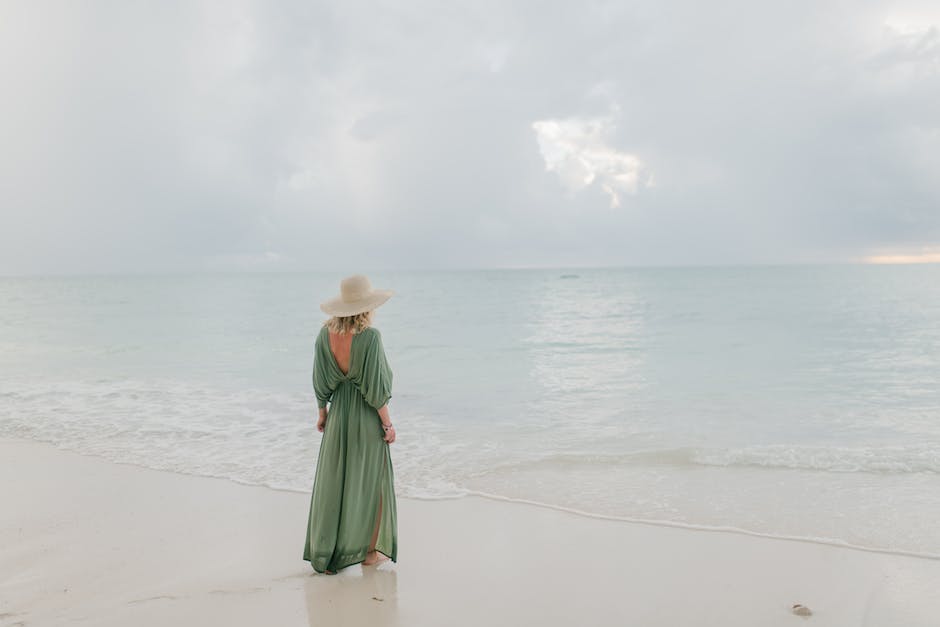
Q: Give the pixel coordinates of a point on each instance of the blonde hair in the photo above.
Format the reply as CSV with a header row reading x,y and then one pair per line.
x,y
349,324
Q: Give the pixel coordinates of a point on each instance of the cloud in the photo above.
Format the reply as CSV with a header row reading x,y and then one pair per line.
x,y
210,133
911,46
577,150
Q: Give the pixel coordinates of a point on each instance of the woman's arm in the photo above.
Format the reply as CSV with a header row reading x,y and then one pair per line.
x,y
386,423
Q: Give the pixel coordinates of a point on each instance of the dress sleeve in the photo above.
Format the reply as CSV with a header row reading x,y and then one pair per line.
x,y
376,381
321,384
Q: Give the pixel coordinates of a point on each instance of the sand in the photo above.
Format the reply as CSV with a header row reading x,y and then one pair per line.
x,y
84,541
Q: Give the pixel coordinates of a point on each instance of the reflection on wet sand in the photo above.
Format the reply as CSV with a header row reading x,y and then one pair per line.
x,y
372,590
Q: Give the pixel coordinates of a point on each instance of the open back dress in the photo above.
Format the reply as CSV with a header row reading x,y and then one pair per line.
x,y
354,471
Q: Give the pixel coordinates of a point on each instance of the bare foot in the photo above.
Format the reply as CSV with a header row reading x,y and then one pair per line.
x,y
374,557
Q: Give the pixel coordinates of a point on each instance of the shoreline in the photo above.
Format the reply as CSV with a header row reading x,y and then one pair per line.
x,y
90,541
823,541
830,542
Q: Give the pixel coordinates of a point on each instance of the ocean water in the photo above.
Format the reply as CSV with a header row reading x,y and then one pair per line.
x,y
798,401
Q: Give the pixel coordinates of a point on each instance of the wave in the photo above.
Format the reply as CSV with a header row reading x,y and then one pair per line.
x,y
881,459
922,458
266,437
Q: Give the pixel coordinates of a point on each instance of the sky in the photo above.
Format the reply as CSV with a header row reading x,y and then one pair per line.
x,y
279,135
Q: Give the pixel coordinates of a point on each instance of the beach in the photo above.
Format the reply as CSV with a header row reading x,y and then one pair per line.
x,y
707,397
644,367
85,541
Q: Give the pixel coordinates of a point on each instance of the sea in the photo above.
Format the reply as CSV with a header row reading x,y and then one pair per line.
x,y
798,402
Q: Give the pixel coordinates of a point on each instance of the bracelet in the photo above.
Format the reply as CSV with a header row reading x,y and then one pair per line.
x,y
390,425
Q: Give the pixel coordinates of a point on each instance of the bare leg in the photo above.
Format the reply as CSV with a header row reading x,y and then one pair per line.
x,y
373,557
378,520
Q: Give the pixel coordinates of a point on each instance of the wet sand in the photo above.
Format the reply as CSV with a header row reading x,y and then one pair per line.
x,y
84,541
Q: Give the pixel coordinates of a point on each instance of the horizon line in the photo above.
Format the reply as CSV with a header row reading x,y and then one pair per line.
x,y
881,260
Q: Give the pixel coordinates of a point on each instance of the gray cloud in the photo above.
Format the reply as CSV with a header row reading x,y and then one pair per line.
x,y
289,135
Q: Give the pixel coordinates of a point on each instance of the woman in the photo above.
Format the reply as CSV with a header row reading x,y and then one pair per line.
x,y
353,517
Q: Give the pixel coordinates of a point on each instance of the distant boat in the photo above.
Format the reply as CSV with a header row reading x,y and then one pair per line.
x,y
568,276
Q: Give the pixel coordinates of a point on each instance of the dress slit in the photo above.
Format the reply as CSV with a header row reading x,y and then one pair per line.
x,y
377,526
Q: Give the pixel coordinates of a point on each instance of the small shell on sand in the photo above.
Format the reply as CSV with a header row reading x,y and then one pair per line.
x,y
801,610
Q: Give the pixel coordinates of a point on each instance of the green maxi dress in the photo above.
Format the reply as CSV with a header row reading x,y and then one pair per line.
x,y
354,471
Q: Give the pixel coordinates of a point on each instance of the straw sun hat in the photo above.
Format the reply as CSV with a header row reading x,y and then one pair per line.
x,y
356,296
